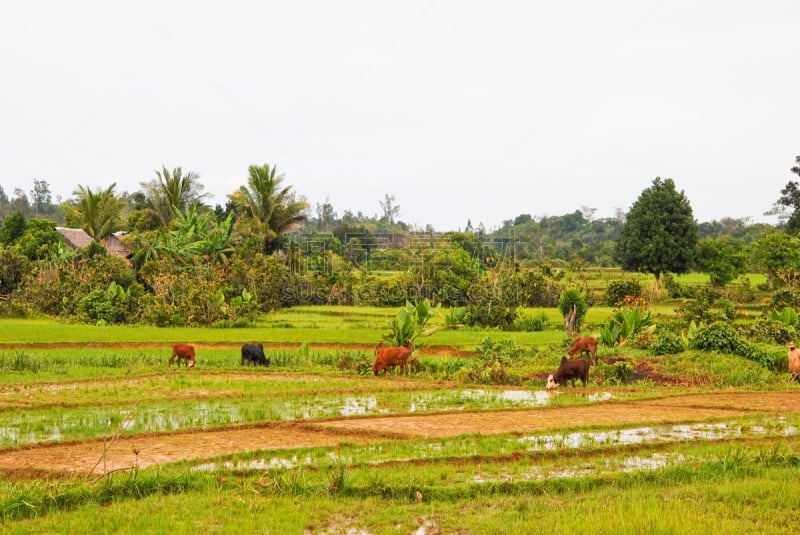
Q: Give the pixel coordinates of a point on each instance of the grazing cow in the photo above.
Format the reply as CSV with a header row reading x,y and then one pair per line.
x,y
254,354
389,357
569,370
584,344
794,363
184,352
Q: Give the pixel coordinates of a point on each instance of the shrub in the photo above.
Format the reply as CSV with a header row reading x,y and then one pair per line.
x,y
493,361
619,290
13,267
667,343
183,294
617,374
707,308
58,288
719,336
528,323
488,307
384,291
770,331
112,305
741,291
455,317
263,276
675,289
785,297
756,354
535,288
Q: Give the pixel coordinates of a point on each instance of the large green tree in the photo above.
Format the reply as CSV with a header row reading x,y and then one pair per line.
x,y
776,252
790,197
270,208
660,232
723,259
96,212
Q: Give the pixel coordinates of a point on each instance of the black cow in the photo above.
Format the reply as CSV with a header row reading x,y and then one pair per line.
x,y
254,354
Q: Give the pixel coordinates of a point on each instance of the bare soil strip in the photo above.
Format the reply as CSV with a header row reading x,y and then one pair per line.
x,y
79,458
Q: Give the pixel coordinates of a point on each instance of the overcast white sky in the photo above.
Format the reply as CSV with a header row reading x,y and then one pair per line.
x,y
460,109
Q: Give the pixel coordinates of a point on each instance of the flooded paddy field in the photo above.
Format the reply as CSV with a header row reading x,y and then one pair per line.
x,y
211,418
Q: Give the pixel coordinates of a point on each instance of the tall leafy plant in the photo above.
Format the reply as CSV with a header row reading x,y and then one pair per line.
x,y
408,323
625,325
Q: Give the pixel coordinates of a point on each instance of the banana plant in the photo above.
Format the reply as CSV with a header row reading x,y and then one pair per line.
x,y
408,323
787,316
625,325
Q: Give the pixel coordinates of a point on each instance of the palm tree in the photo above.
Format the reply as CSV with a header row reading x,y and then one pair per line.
x,y
172,191
96,212
272,209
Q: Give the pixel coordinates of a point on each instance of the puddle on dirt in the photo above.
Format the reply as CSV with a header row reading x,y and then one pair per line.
x,y
487,399
275,463
30,427
652,462
382,453
653,434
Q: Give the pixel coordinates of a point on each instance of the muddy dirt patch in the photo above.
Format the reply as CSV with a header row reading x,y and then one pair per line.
x,y
79,458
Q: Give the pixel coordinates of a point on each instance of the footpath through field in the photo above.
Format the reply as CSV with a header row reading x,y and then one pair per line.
x,y
81,458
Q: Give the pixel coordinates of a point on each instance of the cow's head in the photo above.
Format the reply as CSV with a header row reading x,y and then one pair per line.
x,y
191,363
551,384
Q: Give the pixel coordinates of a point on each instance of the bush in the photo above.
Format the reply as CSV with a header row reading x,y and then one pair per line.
x,y
668,343
57,288
771,331
785,297
707,308
13,267
535,288
493,361
526,323
488,307
756,354
741,291
619,290
617,374
675,289
719,336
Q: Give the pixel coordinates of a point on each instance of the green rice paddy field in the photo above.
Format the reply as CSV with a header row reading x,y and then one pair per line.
x,y
99,434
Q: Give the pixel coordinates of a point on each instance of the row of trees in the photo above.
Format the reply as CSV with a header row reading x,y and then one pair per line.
x,y
176,238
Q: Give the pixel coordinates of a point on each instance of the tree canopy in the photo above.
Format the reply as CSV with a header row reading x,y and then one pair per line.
x,y
660,232
96,212
269,207
790,197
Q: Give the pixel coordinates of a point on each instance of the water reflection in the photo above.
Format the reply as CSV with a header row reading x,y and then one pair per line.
x,y
650,434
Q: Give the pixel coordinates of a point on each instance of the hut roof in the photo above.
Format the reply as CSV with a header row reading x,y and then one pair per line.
x,y
75,237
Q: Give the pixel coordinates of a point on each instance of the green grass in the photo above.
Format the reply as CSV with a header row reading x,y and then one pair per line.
x,y
742,482
464,487
332,325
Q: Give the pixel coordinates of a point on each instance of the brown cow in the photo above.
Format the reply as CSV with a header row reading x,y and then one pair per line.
x,y
389,357
183,352
569,370
584,344
794,363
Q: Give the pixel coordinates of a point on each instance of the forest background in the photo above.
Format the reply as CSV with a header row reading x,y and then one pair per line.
x,y
188,263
